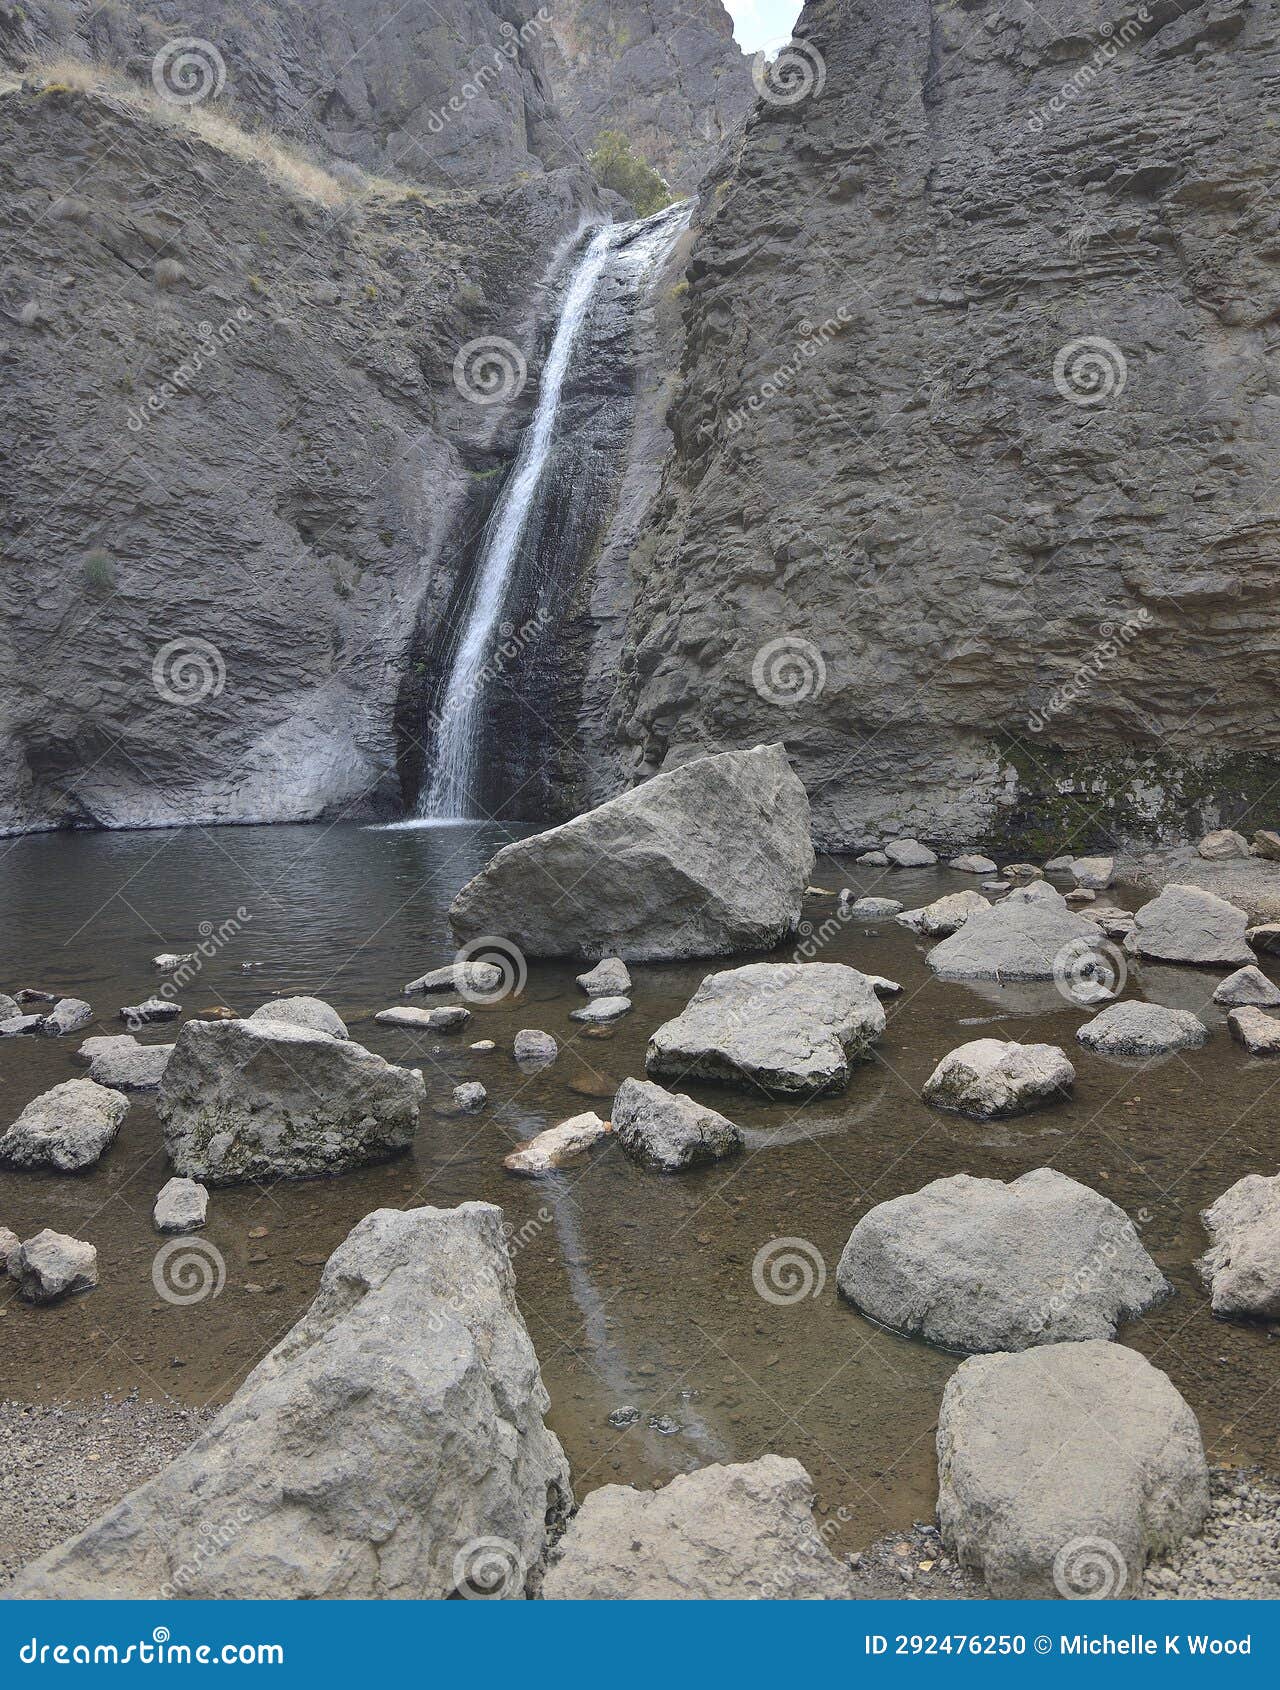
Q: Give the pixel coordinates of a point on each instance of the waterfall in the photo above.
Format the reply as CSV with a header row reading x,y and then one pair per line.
x,y
456,751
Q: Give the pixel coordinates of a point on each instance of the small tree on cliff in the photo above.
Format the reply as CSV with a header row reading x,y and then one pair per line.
x,y
618,167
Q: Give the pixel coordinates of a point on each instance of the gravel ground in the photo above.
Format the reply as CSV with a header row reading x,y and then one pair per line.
x,y
62,1464
1239,1553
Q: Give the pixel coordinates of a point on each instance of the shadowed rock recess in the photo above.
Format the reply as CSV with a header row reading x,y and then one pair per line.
x,y
872,453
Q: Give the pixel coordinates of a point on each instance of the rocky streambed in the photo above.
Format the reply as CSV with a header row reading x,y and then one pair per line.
x,y
678,1320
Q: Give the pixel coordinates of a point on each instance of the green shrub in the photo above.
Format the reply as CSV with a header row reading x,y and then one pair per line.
x,y
618,167
99,572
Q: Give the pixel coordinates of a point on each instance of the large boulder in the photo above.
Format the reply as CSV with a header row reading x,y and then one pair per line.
x,y
668,1130
314,1013
66,1129
1242,1265
53,1265
1060,1472
1142,1029
1022,938
1188,924
391,1445
741,1532
709,859
973,1264
1094,874
246,1100
784,1027
990,1077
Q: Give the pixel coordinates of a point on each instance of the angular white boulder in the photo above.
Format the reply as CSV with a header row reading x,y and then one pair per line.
x,y
446,1019
313,1013
246,1100
739,1532
53,1265
478,979
991,1077
668,1130
150,1011
1021,938
708,859
1142,1029
1242,1264
1093,874
974,1264
1257,1031
1248,986
788,1028
1188,924
1061,1471
181,1205
945,915
390,1446
610,978
65,1129
555,1146
596,1011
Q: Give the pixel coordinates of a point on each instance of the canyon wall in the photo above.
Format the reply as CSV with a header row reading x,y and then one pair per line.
x,y
973,498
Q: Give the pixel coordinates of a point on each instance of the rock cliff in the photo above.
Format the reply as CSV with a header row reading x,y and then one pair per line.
x,y
665,73
972,495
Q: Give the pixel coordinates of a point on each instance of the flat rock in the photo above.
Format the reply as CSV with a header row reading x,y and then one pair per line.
x,y
710,858
65,1129
1060,1472
389,1443
483,1045
668,1130
533,1049
15,1026
873,859
68,1015
741,1532
446,1019
990,1077
312,1013
1257,1031
168,961
1248,985
1242,1265
246,1100
1080,895
119,1060
945,915
873,909
1021,874
908,853
53,1265
785,1027
600,1010
1021,938
476,978
153,1010
971,863
180,1206
470,1096
1224,842
974,1264
610,978
1188,924
1114,922
1093,874
997,885
556,1146
1142,1029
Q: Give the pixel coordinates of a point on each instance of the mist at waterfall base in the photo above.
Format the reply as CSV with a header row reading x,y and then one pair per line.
x,y
550,508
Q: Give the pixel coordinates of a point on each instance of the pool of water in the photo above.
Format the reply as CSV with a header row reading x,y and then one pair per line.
x,y
638,1289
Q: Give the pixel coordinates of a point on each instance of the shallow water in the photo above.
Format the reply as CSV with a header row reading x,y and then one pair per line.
x,y
638,1289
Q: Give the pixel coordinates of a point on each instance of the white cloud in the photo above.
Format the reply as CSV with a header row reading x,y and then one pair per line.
x,y
762,23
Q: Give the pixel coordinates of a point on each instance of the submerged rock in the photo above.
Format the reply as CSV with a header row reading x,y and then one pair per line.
x,y
65,1129
990,1077
119,1060
1142,1029
1021,938
168,961
873,909
181,1206
1060,1472
53,1265
668,1130
446,1019
908,853
1188,924
252,1099
1242,1265
380,1450
313,1013
1257,1031
974,1264
785,1027
1248,985
551,1149
710,858
610,978
722,1533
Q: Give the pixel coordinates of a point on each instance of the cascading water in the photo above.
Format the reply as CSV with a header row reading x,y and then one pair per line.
x,y
456,751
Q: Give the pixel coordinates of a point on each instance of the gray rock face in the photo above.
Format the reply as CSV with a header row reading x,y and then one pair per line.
x,y
909,853
16,1026
9,1007
251,1099
990,1077
973,1264
610,978
68,1015
1021,938
9,1242
396,1427
668,1130
119,1060
1266,937
1266,843
601,1010
1249,986
670,77
789,1028
1060,1472
1142,1029
709,859
53,1265
1257,1031
1188,924
1242,1265
731,1533
312,1013
181,1206
66,1129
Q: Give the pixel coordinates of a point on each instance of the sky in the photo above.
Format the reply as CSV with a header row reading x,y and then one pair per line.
x,y
762,23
